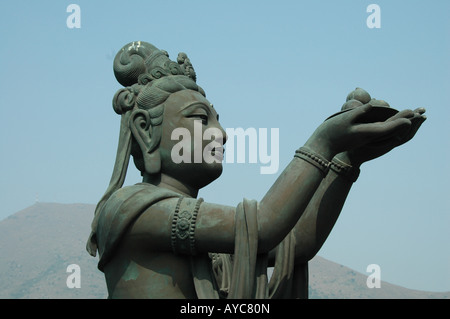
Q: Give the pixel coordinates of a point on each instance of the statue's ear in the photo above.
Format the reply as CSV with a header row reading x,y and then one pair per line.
x,y
143,134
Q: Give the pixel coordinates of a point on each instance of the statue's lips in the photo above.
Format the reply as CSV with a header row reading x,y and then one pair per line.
x,y
217,152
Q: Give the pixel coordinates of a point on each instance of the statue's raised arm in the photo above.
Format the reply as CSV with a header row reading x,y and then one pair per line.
x,y
156,239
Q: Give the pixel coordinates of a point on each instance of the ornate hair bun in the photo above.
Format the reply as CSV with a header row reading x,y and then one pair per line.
x,y
125,98
140,62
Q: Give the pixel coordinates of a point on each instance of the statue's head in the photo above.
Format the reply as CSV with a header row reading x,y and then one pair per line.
x,y
160,96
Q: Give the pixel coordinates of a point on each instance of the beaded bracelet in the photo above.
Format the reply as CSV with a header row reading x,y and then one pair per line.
x,y
318,161
345,170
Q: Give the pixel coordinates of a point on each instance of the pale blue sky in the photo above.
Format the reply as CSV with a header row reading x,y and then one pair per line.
x,y
264,64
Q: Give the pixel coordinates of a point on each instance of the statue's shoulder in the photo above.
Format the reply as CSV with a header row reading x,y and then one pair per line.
x,y
137,195
121,211
128,203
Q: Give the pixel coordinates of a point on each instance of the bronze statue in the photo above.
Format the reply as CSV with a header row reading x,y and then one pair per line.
x,y
156,239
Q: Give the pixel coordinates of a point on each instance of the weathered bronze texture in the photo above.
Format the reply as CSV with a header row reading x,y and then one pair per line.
x,y
157,240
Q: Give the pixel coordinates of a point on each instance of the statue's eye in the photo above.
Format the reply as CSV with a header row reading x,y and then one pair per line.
x,y
202,117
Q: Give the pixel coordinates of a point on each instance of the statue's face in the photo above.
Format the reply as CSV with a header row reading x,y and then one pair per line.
x,y
187,153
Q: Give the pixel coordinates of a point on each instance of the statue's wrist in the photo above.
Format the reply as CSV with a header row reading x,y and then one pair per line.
x,y
343,165
348,158
306,154
321,147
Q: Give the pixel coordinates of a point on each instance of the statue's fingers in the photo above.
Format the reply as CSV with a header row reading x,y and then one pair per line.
x,y
409,114
416,122
402,114
420,110
385,129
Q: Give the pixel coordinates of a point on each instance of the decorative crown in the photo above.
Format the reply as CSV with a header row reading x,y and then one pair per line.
x,y
140,62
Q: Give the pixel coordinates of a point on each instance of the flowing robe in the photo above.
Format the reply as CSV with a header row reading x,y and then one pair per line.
x,y
215,275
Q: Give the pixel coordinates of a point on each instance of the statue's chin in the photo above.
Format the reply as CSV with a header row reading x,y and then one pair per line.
x,y
208,174
196,175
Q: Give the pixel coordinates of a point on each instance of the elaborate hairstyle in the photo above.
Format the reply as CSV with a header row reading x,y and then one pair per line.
x,y
149,77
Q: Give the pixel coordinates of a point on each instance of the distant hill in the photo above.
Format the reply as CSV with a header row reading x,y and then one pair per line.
x,y
38,243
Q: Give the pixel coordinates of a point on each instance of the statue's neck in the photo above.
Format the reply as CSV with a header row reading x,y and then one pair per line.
x,y
165,181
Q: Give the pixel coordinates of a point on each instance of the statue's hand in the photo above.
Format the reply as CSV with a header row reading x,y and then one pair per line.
x,y
370,151
344,132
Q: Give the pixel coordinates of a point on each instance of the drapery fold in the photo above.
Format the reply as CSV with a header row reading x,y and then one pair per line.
x,y
241,275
